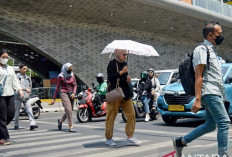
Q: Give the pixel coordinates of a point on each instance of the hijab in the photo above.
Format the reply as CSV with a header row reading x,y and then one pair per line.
x,y
64,71
117,55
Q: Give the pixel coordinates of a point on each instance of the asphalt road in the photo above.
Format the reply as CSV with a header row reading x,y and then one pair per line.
x,y
156,136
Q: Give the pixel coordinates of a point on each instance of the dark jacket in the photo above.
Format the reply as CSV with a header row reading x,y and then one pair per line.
x,y
145,86
113,75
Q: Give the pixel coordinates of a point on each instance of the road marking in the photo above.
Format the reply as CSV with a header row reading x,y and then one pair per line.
x,y
56,141
55,146
22,132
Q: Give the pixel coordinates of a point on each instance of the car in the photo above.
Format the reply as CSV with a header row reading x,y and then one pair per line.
x,y
167,77
174,104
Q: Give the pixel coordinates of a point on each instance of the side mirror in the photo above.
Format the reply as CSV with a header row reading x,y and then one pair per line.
x,y
228,80
173,80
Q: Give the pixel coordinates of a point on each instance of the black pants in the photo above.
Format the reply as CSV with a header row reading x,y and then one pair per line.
x,y
100,99
7,111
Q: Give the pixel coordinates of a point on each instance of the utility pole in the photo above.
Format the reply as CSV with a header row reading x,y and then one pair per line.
x,y
222,7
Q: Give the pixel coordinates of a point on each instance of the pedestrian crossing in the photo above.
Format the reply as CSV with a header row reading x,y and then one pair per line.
x,y
54,143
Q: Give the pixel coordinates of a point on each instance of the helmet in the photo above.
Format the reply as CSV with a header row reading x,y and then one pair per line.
x,y
100,78
144,75
150,70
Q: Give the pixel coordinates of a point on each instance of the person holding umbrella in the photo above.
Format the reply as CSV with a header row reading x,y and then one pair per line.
x,y
117,68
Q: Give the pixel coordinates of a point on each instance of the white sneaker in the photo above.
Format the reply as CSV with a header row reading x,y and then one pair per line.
x,y
147,118
134,141
110,142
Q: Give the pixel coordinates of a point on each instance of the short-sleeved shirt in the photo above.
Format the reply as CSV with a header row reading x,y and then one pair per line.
x,y
212,76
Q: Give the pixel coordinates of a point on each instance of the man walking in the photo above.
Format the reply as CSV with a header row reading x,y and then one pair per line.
x,y
209,91
26,84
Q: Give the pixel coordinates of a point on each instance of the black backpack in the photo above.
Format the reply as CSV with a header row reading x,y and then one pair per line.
x,y
187,74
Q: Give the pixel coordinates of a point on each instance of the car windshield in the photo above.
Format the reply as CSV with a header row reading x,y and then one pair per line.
x,y
163,77
224,70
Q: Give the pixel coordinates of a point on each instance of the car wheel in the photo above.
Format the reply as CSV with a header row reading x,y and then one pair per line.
x,y
169,120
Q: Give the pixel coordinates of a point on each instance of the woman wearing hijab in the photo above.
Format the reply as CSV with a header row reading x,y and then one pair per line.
x,y
67,85
126,103
9,84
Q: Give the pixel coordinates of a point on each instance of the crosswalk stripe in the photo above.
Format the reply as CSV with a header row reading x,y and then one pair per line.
x,y
56,141
36,134
87,150
21,132
55,147
64,135
126,151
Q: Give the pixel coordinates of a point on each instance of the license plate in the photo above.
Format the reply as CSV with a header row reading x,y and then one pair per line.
x,y
175,107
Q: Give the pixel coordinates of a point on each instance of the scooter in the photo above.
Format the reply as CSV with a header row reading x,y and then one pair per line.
x,y
88,107
138,106
36,106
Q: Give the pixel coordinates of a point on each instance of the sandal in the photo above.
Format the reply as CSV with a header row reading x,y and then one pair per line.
x,y
2,142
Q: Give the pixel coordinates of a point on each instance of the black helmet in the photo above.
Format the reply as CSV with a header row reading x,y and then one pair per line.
x,y
100,78
144,75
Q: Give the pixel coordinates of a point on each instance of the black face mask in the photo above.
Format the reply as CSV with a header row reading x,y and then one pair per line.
x,y
69,72
219,39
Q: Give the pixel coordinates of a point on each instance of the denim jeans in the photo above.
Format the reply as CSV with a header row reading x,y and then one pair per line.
x,y
146,101
216,115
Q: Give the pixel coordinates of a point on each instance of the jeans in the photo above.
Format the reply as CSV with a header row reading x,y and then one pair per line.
x,y
216,115
27,105
146,101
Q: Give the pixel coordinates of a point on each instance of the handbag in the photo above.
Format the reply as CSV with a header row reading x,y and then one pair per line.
x,y
2,85
115,94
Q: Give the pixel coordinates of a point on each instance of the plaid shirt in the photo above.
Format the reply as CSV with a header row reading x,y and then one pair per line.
x,y
212,77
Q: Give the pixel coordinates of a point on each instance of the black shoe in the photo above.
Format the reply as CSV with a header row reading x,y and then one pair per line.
x,y
16,127
32,127
59,125
177,144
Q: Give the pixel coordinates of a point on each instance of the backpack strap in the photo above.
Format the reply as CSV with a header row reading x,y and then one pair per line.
x,y
208,54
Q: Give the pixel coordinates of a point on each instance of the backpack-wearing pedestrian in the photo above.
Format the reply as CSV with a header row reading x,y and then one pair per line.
x,y
66,83
209,92
126,103
26,84
9,84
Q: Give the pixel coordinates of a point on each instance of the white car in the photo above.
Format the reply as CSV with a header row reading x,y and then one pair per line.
x,y
167,77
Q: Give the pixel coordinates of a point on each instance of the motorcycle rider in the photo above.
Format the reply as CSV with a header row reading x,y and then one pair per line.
x,y
101,89
145,86
155,85
26,84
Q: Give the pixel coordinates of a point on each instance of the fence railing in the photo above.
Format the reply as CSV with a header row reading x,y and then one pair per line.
x,y
216,6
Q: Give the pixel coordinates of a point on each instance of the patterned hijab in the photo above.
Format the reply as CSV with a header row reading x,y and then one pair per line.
x,y
64,71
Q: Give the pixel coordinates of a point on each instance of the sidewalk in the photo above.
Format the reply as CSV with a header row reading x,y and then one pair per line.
x,y
57,107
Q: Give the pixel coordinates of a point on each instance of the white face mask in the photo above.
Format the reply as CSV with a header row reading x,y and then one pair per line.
x,y
4,61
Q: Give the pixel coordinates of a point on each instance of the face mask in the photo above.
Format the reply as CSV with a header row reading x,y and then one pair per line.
x,y
4,61
219,40
69,72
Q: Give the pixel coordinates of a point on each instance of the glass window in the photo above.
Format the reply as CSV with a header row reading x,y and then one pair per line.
x,y
163,77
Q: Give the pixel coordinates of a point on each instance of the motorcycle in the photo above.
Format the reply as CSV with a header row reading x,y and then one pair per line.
x,y
36,106
88,107
138,106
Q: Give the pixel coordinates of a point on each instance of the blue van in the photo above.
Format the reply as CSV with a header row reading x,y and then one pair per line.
x,y
174,104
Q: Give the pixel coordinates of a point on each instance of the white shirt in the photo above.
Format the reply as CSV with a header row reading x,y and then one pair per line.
x,y
12,83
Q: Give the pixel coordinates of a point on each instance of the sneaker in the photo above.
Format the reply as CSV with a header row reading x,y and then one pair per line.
x,y
147,118
16,127
177,144
134,141
110,142
72,130
32,127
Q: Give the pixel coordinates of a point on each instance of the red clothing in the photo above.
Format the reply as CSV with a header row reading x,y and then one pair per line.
x,y
70,85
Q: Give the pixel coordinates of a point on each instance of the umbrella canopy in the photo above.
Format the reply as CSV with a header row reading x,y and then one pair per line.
x,y
132,46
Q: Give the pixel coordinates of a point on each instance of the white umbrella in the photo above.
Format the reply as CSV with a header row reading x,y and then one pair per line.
x,y
132,47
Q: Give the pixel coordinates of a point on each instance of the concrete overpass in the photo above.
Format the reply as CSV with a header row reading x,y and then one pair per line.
x,y
76,31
